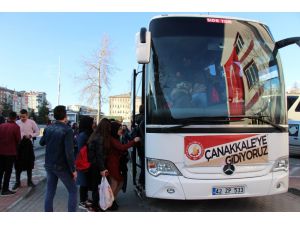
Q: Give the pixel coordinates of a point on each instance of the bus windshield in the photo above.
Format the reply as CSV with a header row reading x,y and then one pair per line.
x,y
213,68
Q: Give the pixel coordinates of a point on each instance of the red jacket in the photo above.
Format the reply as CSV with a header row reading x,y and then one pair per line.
x,y
113,158
10,136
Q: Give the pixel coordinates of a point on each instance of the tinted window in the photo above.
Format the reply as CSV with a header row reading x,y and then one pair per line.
x,y
298,108
195,71
290,101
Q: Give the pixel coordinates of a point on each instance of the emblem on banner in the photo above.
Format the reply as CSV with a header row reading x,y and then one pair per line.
x,y
194,151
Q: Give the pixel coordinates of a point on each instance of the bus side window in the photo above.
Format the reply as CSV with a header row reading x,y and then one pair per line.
x,y
297,109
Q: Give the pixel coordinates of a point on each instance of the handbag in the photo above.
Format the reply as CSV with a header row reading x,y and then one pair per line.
x,y
106,196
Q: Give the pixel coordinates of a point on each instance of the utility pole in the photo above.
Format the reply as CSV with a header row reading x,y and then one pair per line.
x,y
58,82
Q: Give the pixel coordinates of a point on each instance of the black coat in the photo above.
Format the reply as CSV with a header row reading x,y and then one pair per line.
x,y
96,157
25,155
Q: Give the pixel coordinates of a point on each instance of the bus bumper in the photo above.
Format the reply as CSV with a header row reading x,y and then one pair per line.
x,y
179,187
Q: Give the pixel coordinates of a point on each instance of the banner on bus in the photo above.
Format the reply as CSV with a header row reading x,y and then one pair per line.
x,y
214,150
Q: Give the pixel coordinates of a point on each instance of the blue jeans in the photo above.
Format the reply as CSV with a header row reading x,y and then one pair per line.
x,y
70,184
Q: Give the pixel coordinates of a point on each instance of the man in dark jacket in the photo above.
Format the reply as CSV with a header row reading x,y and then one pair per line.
x,y
140,120
10,137
59,159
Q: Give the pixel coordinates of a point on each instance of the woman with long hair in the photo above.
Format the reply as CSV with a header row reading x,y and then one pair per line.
x,y
113,159
85,131
98,148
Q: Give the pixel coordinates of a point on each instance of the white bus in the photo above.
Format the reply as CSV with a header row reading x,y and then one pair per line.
x,y
72,117
215,109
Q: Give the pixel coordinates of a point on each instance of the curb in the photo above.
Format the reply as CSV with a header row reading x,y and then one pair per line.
x,y
294,191
28,193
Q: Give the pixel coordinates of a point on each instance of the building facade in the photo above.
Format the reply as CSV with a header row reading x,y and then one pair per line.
x,y
35,99
120,106
4,92
17,100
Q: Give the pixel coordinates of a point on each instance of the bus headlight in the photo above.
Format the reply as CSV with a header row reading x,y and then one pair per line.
x,y
158,167
281,164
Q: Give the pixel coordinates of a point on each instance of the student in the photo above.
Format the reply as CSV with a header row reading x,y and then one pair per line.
x,y
10,137
25,154
113,159
199,95
98,148
181,95
59,159
85,131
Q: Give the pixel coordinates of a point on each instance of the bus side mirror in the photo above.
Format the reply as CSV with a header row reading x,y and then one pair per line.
x,y
143,44
288,41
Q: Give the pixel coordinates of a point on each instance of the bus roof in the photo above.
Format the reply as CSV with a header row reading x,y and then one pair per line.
x,y
203,16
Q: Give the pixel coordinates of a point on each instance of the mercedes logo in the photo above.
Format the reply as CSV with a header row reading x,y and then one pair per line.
x,y
228,169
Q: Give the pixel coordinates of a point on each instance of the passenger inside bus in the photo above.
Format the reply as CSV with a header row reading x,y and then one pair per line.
x,y
181,95
199,95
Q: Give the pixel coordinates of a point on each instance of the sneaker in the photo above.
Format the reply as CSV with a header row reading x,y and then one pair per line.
x,y
30,184
94,209
16,186
89,203
82,205
7,193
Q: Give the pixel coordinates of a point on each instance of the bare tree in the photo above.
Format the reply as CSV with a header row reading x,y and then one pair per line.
x,y
98,71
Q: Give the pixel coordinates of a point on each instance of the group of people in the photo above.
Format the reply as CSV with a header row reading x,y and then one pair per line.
x,y
104,151
200,93
16,150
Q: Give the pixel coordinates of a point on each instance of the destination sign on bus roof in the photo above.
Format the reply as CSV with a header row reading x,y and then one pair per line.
x,y
218,20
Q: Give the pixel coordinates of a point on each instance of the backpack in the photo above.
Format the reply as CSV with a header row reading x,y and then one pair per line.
x,y
82,163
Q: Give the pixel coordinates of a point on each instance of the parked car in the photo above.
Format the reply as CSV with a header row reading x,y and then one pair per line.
x,y
293,106
294,137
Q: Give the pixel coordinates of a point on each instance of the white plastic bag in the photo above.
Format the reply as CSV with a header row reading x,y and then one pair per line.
x,y
106,196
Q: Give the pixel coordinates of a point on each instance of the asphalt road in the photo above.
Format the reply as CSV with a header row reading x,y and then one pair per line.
x,y
130,202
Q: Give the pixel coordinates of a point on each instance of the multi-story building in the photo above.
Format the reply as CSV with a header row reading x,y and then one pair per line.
x,y
24,100
3,96
120,106
6,97
35,99
18,100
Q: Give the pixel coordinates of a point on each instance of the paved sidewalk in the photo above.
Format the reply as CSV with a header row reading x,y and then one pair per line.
x,y
38,175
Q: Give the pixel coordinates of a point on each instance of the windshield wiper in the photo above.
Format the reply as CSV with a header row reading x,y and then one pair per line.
x,y
220,119
197,121
261,119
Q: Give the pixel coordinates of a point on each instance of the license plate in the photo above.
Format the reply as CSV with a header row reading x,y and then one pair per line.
x,y
232,190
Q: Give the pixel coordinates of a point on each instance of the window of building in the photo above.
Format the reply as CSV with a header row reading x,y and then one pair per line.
x,y
239,43
251,73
